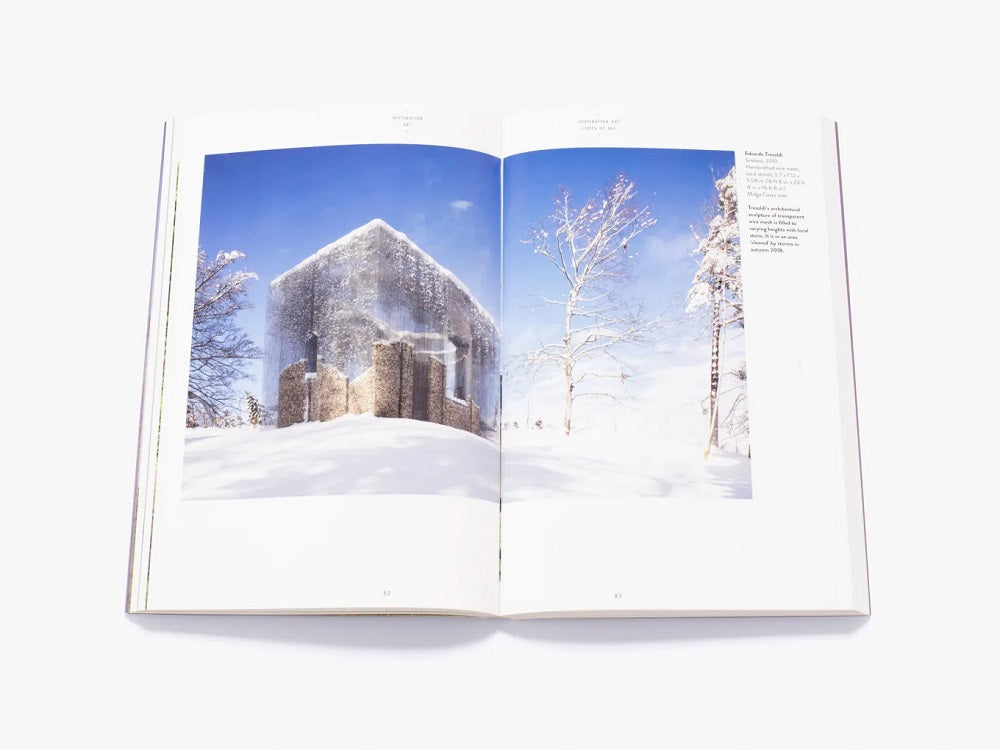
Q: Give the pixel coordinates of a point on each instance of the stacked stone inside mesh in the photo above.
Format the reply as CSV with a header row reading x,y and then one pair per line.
x,y
395,335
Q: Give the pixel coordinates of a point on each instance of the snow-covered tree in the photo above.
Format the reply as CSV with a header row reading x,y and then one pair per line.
x,y
737,419
718,286
588,246
220,351
255,412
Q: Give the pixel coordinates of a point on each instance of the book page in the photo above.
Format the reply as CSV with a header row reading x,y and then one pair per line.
x,y
321,411
679,428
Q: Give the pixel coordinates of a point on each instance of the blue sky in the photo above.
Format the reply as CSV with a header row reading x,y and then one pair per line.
x,y
677,184
278,207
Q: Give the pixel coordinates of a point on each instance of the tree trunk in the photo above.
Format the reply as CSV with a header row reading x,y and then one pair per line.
x,y
713,387
568,411
568,367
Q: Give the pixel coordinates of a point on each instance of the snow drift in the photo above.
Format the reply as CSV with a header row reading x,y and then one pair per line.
x,y
355,454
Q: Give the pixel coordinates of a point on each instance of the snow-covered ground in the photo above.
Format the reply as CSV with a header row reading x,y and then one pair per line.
x,y
354,454
653,446
547,463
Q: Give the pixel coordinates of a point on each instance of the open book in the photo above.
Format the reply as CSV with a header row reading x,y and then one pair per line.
x,y
559,363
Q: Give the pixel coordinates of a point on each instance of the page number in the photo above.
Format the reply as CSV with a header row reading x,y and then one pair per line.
x,y
386,592
618,595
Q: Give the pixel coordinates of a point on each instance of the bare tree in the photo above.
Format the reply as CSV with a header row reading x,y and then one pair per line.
x,y
588,247
718,285
220,351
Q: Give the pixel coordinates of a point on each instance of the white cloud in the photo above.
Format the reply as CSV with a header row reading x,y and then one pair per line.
x,y
458,206
668,251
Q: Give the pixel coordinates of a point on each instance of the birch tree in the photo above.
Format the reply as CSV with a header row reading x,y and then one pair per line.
x,y
588,247
220,351
718,286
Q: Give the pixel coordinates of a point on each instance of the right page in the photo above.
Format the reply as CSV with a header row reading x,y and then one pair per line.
x,y
679,423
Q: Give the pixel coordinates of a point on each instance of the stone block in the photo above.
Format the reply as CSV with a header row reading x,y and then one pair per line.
x,y
456,413
359,394
405,380
474,417
435,391
293,394
385,380
328,399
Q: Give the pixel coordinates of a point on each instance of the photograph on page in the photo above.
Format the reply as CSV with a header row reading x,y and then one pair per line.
x,y
344,335
625,368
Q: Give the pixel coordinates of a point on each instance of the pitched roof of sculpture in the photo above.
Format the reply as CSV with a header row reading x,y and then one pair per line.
x,y
344,243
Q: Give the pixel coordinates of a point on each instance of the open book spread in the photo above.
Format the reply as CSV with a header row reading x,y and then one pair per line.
x,y
558,363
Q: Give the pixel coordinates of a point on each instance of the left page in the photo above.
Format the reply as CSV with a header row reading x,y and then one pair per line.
x,y
321,391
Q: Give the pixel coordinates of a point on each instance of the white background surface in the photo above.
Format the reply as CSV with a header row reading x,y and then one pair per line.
x,y
84,88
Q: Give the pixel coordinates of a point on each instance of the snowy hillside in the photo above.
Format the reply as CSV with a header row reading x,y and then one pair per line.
x,y
653,446
546,463
355,454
